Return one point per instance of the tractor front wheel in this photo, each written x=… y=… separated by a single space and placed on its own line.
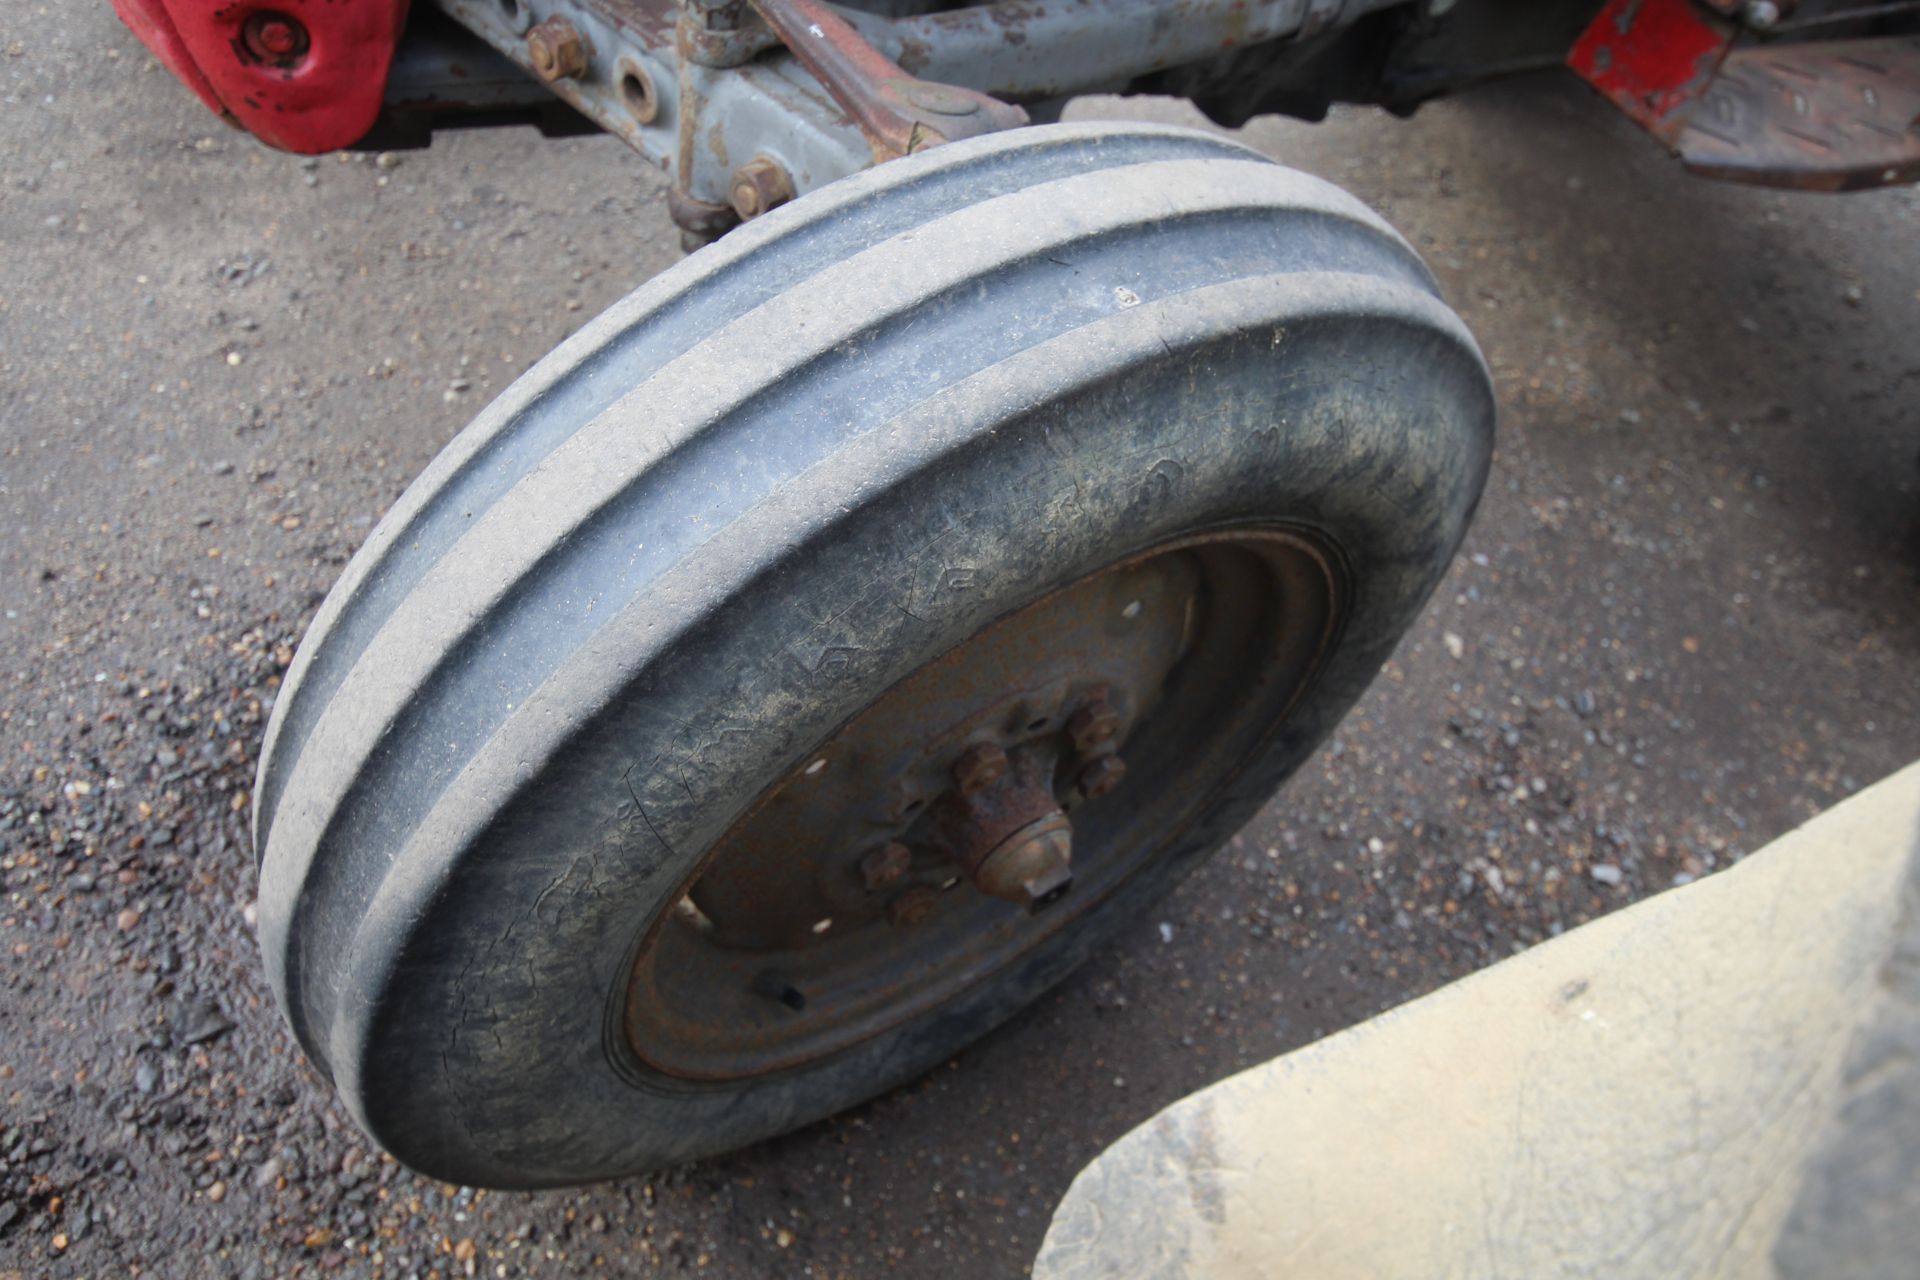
x=814 y=659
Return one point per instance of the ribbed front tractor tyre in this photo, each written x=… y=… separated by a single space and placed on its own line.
x=813 y=659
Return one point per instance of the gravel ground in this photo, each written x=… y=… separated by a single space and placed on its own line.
x=1686 y=620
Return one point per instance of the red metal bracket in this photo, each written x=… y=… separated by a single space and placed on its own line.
x=1653 y=59
x=301 y=75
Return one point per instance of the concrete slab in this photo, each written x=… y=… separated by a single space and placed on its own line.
x=1637 y=1098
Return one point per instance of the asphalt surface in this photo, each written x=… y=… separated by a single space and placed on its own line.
x=1685 y=621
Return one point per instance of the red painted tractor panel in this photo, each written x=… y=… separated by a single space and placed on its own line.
x=302 y=75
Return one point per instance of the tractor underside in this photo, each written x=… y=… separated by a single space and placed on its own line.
x=746 y=104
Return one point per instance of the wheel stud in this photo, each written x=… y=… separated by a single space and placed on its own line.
x=883 y=868
x=979 y=767
x=1093 y=724
x=911 y=905
x=1102 y=775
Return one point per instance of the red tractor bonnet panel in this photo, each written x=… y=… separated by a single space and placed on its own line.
x=301 y=75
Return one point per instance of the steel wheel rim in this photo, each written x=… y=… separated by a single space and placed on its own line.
x=780 y=949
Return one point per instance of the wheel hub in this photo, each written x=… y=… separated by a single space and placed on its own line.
x=878 y=878
x=1010 y=837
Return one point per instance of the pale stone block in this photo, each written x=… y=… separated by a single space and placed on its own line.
x=1635 y=1099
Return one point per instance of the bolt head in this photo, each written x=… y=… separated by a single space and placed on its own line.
x=1093 y=724
x=557 y=50
x=275 y=38
x=911 y=905
x=760 y=184
x=979 y=767
x=886 y=866
x=1101 y=776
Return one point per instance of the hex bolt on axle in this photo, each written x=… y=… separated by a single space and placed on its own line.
x=557 y=50
x=760 y=184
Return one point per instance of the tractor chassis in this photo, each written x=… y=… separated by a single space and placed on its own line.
x=746 y=105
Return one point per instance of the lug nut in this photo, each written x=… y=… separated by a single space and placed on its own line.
x=911 y=905
x=760 y=184
x=882 y=868
x=557 y=50
x=979 y=767
x=1093 y=724
x=1101 y=776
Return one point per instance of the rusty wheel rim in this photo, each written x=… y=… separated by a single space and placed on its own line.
x=918 y=850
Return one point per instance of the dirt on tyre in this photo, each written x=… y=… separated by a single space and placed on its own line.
x=811 y=661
